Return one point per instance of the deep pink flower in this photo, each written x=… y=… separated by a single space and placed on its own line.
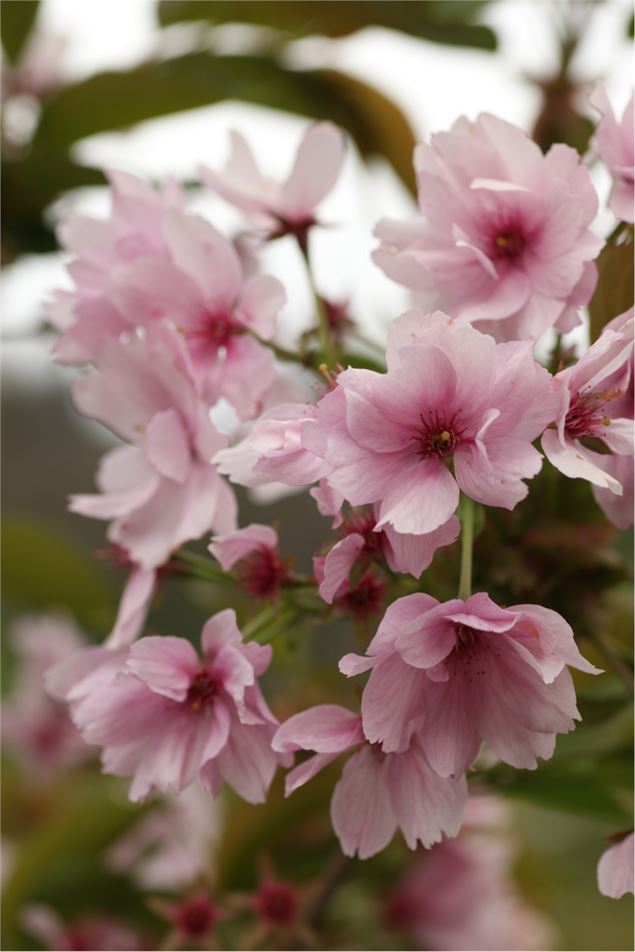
x=597 y=404
x=289 y=205
x=615 y=869
x=168 y=718
x=458 y=673
x=254 y=552
x=362 y=545
x=377 y=793
x=613 y=142
x=451 y=394
x=503 y=239
x=161 y=490
x=202 y=292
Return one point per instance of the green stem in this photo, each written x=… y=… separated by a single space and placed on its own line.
x=467 y=540
x=620 y=668
x=282 y=353
x=201 y=567
x=324 y=329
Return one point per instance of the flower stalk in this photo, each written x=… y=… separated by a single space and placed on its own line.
x=467 y=542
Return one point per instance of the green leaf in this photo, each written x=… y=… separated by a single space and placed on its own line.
x=43 y=571
x=16 y=23
x=116 y=100
x=614 y=291
x=440 y=22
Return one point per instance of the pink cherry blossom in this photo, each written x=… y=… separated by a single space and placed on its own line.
x=597 y=403
x=35 y=727
x=613 y=143
x=460 y=895
x=161 y=490
x=201 y=290
x=377 y=793
x=289 y=205
x=503 y=240
x=86 y=316
x=167 y=718
x=615 y=869
x=451 y=394
x=362 y=545
x=254 y=552
x=458 y=673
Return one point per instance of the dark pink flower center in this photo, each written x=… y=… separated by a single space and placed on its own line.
x=202 y=691
x=468 y=657
x=214 y=329
x=438 y=435
x=365 y=599
x=363 y=523
x=262 y=572
x=508 y=244
x=195 y=917
x=587 y=413
x=277 y=903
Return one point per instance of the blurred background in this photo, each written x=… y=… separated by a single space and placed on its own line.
x=154 y=89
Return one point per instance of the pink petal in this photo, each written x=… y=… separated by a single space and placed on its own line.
x=167 y=665
x=421 y=496
x=393 y=703
x=615 y=869
x=314 y=173
x=361 y=812
x=234 y=546
x=133 y=607
x=261 y=300
x=326 y=729
x=338 y=564
x=247 y=761
x=166 y=446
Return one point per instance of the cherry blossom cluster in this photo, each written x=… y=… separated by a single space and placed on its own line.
x=171 y=316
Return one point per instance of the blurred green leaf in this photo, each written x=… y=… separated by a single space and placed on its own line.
x=43 y=571
x=16 y=22
x=116 y=100
x=614 y=292
x=438 y=21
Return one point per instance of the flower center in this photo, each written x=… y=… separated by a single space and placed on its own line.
x=365 y=599
x=214 y=329
x=587 y=413
x=202 y=691
x=437 y=437
x=509 y=244
x=363 y=523
x=277 y=903
x=195 y=917
x=261 y=573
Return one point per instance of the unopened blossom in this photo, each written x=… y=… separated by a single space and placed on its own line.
x=101 y=248
x=377 y=793
x=201 y=290
x=95 y=932
x=36 y=728
x=253 y=552
x=169 y=718
x=503 y=239
x=161 y=490
x=460 y=895
x=457 y=673
x=287 y=206
x=361 y=598
x=615 y=868
x=451 y=395
x=362 y=545
x=596 y=404
x=613 y=142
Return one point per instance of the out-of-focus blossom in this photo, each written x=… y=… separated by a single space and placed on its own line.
x=503 y=240
x=457 y=673
x=40 y=68
x=169 y=718
x=35 y=727
x=161 y=490
x=171 y=847
x=597 y=404
x=377 y=793
x=450 y=394
x=194 y=918
x=201 y=291
x=615 y=869
x=461 y=895
x=254 y=552
x=286 y=206
x=614 y=143
x=95 y=932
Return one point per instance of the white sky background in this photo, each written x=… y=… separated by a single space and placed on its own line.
x=433 y=84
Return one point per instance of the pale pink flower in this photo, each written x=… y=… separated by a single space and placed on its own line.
x=254 y=552
x=167 y=718
x=503 y=240
x=97 y=932
x=362 y=545
x=35 y=727
x=284 y=206
x=451 y=394
x=201 y=290
x=162 y=490
x=461 y=895
x=458 y=673
x=596 y=403
x=86 y=316
x=377 y=793
x=615 y=869
x=613 y=143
